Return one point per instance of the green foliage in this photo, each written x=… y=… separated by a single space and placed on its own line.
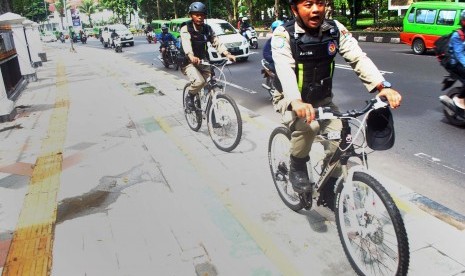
x=343 y=19
x=88 y=7
x=123 y=9
x=34 y=10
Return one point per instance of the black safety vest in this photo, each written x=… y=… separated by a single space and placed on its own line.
x=199 y=39
x=314 y=57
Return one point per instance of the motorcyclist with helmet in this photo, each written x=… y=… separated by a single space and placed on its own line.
x=267 y=54
x=457 y=63
x=149 y=29
x=195 y=35
x=164 y=37
x=304 y=51
x=114 y=35
x=245 y=24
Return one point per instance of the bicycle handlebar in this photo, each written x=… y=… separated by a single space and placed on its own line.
x=326 y=112
x=219 y=63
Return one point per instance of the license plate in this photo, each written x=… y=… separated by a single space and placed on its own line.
x=234 y=49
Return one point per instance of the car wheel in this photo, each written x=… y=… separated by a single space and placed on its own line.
x=418 y=46
x=131 y=43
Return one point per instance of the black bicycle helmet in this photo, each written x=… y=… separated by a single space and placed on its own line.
x=197 y=7
x=380 y=133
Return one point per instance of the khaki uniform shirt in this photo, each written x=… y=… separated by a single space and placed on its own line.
x=349 y=49
x=187 y=45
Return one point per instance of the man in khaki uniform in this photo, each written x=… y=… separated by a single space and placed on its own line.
x=194 y=37
x=303 y=52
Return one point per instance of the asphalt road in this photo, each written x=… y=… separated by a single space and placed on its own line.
x=429 y=156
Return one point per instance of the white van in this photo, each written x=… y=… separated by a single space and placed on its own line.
x=123 y=32
x=230 y=37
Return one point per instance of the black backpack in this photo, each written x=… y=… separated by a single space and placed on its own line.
x=441 y=47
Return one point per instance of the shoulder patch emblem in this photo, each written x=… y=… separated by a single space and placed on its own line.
x=346 y=33
x=332 y=48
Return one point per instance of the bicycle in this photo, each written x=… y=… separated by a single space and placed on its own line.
x=224 y=120
x=369 y=224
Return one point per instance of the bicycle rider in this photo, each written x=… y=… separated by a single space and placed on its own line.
x=194 y=37
x=304 y=50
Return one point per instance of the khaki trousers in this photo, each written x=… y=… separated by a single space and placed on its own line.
x=303 y=135
x=197 y=74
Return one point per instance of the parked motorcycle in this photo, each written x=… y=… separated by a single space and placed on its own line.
x=84 y=39
x=251 y=36
x=450 y=110
x=170 y=57
x=270 y=78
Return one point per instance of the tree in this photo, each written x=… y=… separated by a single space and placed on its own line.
x=123 y=9
x=58 y=6
x=34 y=10
x=5 y=6
x=88 y=7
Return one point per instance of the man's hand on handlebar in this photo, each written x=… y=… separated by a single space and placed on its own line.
x=393 y=97
x=195 y=60
x=231 y=57
x=303 y=110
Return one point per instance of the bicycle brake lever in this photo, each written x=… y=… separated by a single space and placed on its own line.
x=380 y=103
x=325 y=114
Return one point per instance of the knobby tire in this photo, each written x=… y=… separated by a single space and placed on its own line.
x=232 y=120
x=389 y=241
x=278 y=159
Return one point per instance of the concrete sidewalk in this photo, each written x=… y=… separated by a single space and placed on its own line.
x=100 y=176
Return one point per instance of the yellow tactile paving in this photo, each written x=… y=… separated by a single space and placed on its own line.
x=32 y=245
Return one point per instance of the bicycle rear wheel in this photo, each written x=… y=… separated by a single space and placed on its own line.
x=193 y=117
x=278 y=158
x=371 y=228
x=224 y=123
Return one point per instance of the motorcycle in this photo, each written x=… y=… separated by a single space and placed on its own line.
x=83 y=39
x=170 y=56
x=62 y=38
x=150 y=37
x=117 y=44
x=270 y=78
x=251 y=36
x=450 y=110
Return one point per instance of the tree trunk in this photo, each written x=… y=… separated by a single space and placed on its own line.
x=175 y=10
x=5 y=6
x=329 y=9
x=158 y=9
x=277 y=11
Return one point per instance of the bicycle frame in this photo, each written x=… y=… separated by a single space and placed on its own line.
x=345 y=149
x=209 y=98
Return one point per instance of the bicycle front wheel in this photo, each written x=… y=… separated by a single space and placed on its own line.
x=224 y=123
x=193 y=116
x=279 y=147
x=371 y=228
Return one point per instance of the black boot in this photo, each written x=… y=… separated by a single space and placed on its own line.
x=298 y=175
x=190 y=101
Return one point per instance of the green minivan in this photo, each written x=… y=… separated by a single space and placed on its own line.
x=157 y=24
x=426 y=21
x=175 y=25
